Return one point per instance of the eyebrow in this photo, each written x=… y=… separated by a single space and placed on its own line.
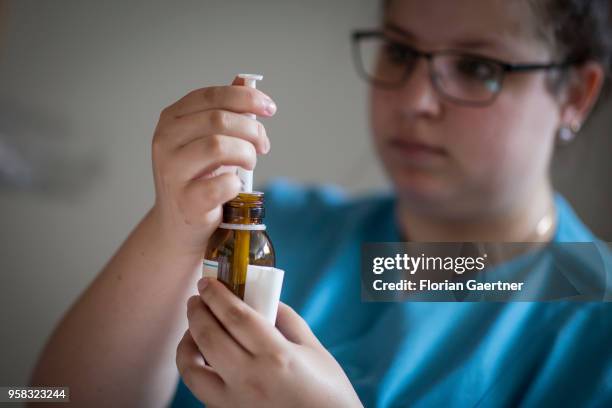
x=465 y=43
x=398 y=30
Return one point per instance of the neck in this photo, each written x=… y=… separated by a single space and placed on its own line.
x=530 y=218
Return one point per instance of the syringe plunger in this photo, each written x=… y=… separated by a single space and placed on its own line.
x=246 y=176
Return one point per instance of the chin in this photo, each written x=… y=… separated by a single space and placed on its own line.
x=422 y=189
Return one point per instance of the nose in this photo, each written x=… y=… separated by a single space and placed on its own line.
x=418 y=96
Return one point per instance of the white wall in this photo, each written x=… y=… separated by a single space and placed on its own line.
x=84 y=82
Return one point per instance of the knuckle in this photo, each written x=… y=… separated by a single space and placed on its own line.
x=291 y=312
x=179 y=354
x=194 y=92
x=237 y=314
x=214 y=145
x=214 y=195
x=279 y=360
x=157 y=145
x=256 y=386
x=213 y=216
x=164 y=113
x=162 y=137
x=224 y=188
x=219 y=119
x=209 y=94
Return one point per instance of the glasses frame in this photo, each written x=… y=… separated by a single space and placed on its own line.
x=505 y=67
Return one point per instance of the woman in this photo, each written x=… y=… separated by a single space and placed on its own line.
x=468 y=99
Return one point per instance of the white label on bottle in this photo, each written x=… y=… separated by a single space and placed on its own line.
x=262 y=288
x=210 y=268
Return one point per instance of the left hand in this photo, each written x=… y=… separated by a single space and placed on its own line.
x=232 y=357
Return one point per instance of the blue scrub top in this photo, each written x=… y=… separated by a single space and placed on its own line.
x=426 y=354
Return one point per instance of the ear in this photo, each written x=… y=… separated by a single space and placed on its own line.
x=583 y=89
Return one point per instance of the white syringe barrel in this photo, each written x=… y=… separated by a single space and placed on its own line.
x=246 y=176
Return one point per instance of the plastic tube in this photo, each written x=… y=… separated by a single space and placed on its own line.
x=246 y=176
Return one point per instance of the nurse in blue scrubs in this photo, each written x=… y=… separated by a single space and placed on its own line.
x=467 y=103
x=468 y=99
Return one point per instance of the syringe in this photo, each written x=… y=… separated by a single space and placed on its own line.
x=246 y=176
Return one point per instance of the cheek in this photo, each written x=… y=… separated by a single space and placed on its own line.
x=380 y=110
x=507 y=143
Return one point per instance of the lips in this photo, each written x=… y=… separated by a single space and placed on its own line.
x=416 y=148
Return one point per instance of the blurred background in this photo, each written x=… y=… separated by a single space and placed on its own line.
x=82 y=84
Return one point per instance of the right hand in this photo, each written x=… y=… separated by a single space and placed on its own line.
x=196 y=135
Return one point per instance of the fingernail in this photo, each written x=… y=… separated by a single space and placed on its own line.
x=269 y=107
x=202 y=283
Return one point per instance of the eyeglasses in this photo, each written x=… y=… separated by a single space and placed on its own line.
x=460 y=77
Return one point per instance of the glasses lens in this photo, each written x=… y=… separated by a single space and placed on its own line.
x=383 y=61
x=466 y=78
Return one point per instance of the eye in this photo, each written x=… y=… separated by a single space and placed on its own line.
x=475 y=69
x=397 y=53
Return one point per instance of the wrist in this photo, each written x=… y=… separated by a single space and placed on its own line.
x=170 y=241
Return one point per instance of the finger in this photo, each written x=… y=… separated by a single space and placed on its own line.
x=201 y=379
x=216 y=345
x=204 y=155
x=293 y=327
x=245 y=325
x=203 y=195
x=235 y=98
x=179 y=132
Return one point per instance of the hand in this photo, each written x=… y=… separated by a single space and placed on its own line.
x=232 y=357
x=194 y=137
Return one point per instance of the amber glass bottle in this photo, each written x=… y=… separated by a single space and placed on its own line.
x=240 y=240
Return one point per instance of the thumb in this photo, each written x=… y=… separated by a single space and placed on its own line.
x=293 y=327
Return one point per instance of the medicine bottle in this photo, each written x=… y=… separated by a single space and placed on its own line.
x=239 y=241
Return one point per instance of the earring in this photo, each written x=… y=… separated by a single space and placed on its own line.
x=566 y=133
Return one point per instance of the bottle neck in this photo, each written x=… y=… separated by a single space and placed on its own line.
x=246 y=208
